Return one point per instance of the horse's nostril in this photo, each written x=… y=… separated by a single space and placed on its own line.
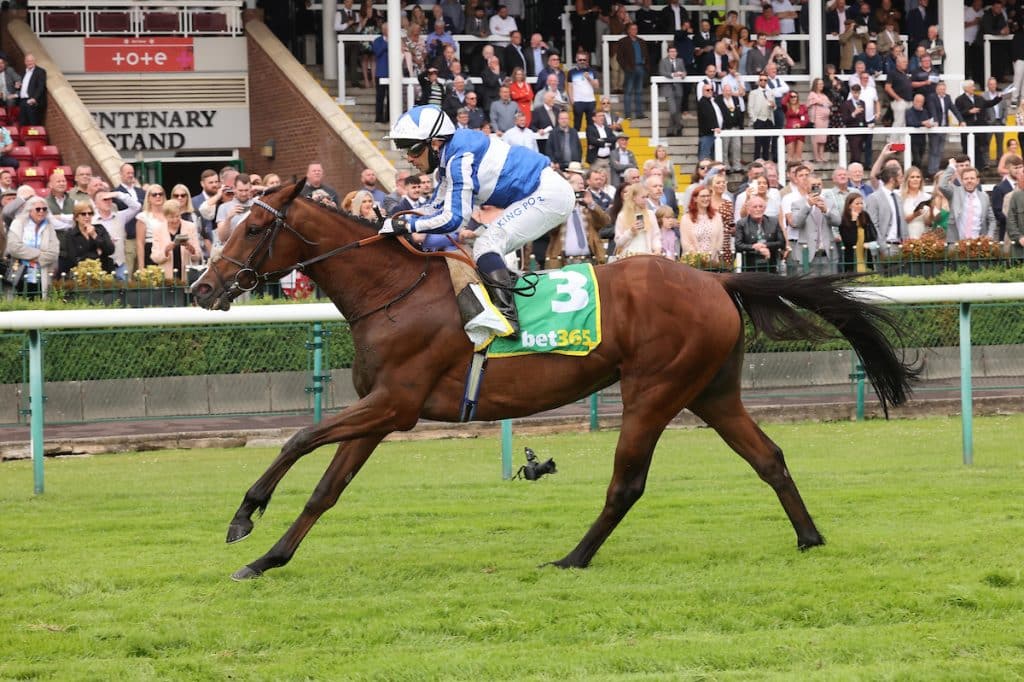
x=202 y=290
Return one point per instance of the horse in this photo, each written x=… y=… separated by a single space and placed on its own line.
x=673 y=337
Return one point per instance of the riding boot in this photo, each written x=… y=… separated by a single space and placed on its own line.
x=499 y=285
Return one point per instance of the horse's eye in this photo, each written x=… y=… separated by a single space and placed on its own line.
x=253 y=230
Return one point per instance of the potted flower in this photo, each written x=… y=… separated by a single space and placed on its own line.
x=149 y=287
x=975 y=253
x=925 y=255
x=88 y=282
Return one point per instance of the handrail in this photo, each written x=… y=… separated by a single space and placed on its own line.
x=136 y=10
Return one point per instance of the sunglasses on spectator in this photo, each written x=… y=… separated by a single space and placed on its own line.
x=41 y=209
x=86 y=213
x=704 y=166
x=156 y=194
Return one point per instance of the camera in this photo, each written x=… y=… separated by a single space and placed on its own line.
x=579 y=195
x=533 y=469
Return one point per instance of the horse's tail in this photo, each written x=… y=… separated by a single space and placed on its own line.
x=771 y=302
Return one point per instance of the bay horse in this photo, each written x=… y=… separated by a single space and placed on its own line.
x=673 y=337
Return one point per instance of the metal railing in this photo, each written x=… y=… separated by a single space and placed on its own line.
x=66 y=17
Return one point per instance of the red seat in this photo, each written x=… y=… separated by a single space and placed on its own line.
x=49 y=152
x=161 y=22
x=22 y=154
x=34 y=146
x=34 y=133
x=62 y=22
x=210 y=22
x=15 y=134
x=29 y=173
x=47 y=166
x=44 y=192
x=112 y=22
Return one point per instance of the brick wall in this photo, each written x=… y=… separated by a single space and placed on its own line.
x=278 y=111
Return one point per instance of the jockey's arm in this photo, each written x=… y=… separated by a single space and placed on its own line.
x=456 y=193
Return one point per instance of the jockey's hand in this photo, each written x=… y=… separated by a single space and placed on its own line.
x=395 y=226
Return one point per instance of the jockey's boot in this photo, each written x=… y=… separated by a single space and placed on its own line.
x=499 y=285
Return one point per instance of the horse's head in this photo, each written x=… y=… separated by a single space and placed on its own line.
x=262 y=248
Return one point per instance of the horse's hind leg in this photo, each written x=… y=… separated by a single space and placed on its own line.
x=724 y=412
x=349 y=458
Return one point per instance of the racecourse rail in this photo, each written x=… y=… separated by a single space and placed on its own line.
x=33 y=322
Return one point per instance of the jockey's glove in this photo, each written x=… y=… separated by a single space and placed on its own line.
x=395 y=226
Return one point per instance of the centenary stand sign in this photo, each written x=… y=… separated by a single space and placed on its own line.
x=175 y=129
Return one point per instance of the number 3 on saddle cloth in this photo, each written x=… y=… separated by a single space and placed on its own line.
x=561 y=315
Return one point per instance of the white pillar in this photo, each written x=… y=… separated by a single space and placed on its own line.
x=816 y=45
x=394 y=14
x=951 y=21
x=330 y=40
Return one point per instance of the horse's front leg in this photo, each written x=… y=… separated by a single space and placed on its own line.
x=349 y=458
x=374 y=415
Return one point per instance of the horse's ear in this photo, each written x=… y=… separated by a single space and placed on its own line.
x=297 y=190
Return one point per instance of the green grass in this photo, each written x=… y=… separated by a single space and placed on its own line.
x=427 y=569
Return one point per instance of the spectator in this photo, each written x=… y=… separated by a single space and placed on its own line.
x=918 y=116
x=10 y=83
x=754 y=170
x=761 y=109
x=1017 y=55
x=209 y=183
x=600 y=140
x=1012 y=148
x=561 y=98
x=889 y=42
x=855 y=175
x=852 y=111
x=819 y=111
x=314 y=181
x=7 y=180
x=767 y=24
x=379 y=46
x=150 y=219
x=431 y=89
x=812 y=224
x=796 y=118
x=414 y=50
x=581 y=85
x=455 y=96
x=972 y=109
x=514 y=53
x=613 y=120
x=668 y=226
x=33 y=241
x=475 y=115
x=543 y=119
x=940 y=106
x=759 y=239
x=915 y=202
x=445 y=64
x=621 y=158
x=709 y=122
x=779 y=89
x=995 y=114
x=392 y=200
x=657 y=193
x=563 y=145
x=900 y=90
x=521 y=93
x=934 y=46
x=6 y=145
x=80 y=192
x=663 y=161
x=502 y=26
x=994 y=23
x=925 y=77
x=597 y=185
x=873 y=62
x=885 y=208
x=673 y=17
x=61 y=206
x=175 y=243
x=88 y=241
x=636 y=228
x=672 y=67
x=1015 y=224
x=368 y=178
x=129 y=185
x=858 y=235
x=554 y=67
x=970 y=210
x=519 y=135
x=769 y=195
x=363 y=206
x=919 y=19
x=631 y=53
x=1015 y=170
x=233 y=212
x=115 y=223
x=759 y=56
x=503 y=111
x=577 y=239
x=721 y=202
x=32 y=94
x=413 y=198
x=492 y=78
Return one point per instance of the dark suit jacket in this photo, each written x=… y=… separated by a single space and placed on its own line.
x=539 y=119
x=832 y=19
x=746 y=237
x=963 y=104
x=707 y=120
x=934 y=108
x=850 y=119
x=595 y=141
x=999 y=193
x=489 y=87
x=667 y=20
x=733 y=121
x=555 y=147
x=684 y=46
x=756 y=61
x=511 y=58
x=624 y=53
x=37 y=86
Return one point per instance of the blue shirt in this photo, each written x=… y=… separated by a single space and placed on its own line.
x=477 y=169
x=380 y=55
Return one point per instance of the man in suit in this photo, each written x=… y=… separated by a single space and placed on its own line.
x=918 y=116
x=210 y=182
x=683 y=41
x=513 y=54
x=759 y=239
x=970 y=210
x=544 y=118
x=732 y=119
x=811 y=224
x=885 y=208
x=761 y=106
x=32 y=95
x=672 y=67
x=554 y=66
x=10 y=82
x=972 y=109
x=709 y=122
x=631 y=53
x=995 y=115
x=673 y=16
x=917 y=22
x=621 y=159
x=703 y=42
x=563 y=145
x=600 y=140
x=536 y=55
x=835 y=25
x=853 y=112
x=758 y=56
x=940 y=105
x=1015 y=170
x=1015 y=224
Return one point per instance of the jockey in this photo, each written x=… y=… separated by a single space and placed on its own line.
x=511 y=190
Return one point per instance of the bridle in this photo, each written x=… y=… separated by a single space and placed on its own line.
x=248 y=277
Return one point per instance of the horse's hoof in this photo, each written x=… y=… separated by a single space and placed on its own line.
x=561 y=563
x=245 y=573
x=805 y=545
x=239 y=530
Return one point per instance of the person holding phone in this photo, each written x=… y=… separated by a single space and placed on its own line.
x=176 y=243
x=636 y=228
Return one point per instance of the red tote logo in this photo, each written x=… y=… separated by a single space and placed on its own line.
x=133 y=55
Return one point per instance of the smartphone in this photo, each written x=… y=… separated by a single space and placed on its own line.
x=815 y=190
x=180 y=238
x=899 y=146
x=640 y=218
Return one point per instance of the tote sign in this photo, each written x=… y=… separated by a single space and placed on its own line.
x=138 y=55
